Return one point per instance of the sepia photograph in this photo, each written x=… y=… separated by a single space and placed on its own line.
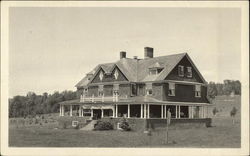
x=125 y=76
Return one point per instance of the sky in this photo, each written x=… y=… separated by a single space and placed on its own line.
x=51 y=49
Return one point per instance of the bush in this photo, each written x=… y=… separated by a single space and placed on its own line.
x=103 y=125
x=233 y=112
x=125 y=125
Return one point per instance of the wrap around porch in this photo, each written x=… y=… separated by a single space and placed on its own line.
x=145 y=110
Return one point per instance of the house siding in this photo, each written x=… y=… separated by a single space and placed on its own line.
x=185 y=93
x=173 y=75
x=157 y=91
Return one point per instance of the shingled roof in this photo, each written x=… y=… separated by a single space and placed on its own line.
x=136 y=70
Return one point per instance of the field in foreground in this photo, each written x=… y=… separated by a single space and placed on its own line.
x=223 y=134
x=217 y=136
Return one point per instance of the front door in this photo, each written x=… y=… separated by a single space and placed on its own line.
x=97 y=113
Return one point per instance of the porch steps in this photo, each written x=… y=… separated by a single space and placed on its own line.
x=89 y=126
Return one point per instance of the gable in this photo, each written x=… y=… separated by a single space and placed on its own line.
x=109 y=77
x=186 y=62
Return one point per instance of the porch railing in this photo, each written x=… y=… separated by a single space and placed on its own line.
x=102 y=98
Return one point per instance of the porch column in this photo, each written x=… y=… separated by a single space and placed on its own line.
x=60 y=110
x=179 y=111
x=70 y=110
x=92 y=113
x=148 y=111
x=141 y=111
x=176 y=107
x=113 y=114
x=79 y=112
x=202 y=111
x=102 y=113
x=128 y=110
x=116 y=111
x=192 y=112
x=82 y=113
x=145 y=112
x=165 y=114
x=162 y=111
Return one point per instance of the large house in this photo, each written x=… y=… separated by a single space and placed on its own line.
x=142 y=88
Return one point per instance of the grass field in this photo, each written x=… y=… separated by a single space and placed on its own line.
x=222 y=134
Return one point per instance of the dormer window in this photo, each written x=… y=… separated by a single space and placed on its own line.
x=116 y=74
x=101 y=75
x=197 y=90
x=149 y=90
x=85 y=91
x=171 y=89
x=153 y=72
x=116 y=90
x=181 y=71
x=189 y=72
x=100 y=90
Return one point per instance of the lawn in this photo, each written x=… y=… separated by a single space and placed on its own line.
x=222 y=134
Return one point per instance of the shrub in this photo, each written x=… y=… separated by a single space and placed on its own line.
x=125 y=125
x=233 y=112
x=103 y=125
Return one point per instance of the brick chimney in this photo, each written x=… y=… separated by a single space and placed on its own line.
x=148 y=52
x=122 y=54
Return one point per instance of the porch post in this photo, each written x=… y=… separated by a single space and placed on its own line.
x=60 y=110
x=165 y=108
x=92 y=113
x=162 y=111
x=192 y=112
x=116 y=111
x=113 y=114
x=70 y=110
x=82 y=113
x=128 y=110
x=144 y=115
x=141 y=111
x=102 y=113
x=148 y=111
x=176 y=111
x=79 y=112
x=179 y=111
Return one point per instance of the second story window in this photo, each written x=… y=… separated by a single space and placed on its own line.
x=149 y=90
x=171 y=89
x=100 y=90
x=189 y=72
x=85 y=91
x=181 y=71
x=197 y=90
x=116 y=90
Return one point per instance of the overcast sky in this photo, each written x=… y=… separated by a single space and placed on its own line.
x=51 y=49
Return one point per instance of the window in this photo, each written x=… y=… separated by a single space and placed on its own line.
x=116 y=74
x=171 y=90
x=101 y=75
x=181 y=70
x=153 y=72
x=189 y=72
x=116 y=90
x=85 y=91
x=74 y=123
x=197 y=90
x=149 y=89
x=100 y=90
x=133 y=89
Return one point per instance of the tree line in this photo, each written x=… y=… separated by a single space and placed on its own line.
x=32 y=104
x=228 y=87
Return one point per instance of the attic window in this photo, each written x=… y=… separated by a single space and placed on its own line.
x=101 y=75
x=171 y=89
x=181 y=70
x=197 y=90
x=189 y=72
x=116 y=74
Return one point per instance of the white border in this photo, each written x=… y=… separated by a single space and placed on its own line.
x=244 y=150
